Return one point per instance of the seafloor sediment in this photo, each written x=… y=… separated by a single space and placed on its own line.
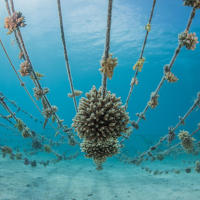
x=79 y=180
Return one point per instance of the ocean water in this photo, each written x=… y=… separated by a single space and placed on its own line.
x=64 y=173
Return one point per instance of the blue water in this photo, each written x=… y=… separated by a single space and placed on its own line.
x=85 y=27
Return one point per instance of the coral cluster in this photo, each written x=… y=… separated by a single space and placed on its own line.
x=154 y=100
x=49 y=111
x=192 y=3
x=23 y=128
x=98 y=118
x=197 y=166
x=39 y=93
x=76 y=93
x=186 y=141
x=15 y=21
x=99 y=122
x=25 y=68
x=108 y=65
x=189 y=40
x=100 y=151
x=139 y=64
x=169 y=76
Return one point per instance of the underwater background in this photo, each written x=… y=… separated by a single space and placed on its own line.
x=85 y=29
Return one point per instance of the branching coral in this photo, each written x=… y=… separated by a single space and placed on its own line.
x=25 y=68
x=98 y=118
x=48 y=112
x=197 y=166
x=39 y=93
x=100 y=151
x=108 y=65
x=186 y=141
x=15 y=21
x=154 y=100
x=76 y=93
x=189 y=40
x=139 y=64
x=192 y=3
x=169 y=76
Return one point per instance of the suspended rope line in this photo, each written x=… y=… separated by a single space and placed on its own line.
x=155 y=94
x=66 y=55
x=15 y=33
x=37 y=84
x=20 y=80
x=7 y=119
x=107 y=45
x=171 y=134
x=168 y=151
x=134 y=80
x=20 y=109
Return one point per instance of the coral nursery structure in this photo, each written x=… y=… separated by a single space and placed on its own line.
x=101 y=123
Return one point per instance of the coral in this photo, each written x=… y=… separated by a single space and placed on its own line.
x=197 y=166
x=21 y=55
x=189 y=40
x=108 y=65
x=169 y=76
x=99 y=151
x=47 y=149
x=192 y=3
x=134 y=81
x=186 y=141
x=39 y=93
x=38 y=75
x=6 y=150
x=148 y=27
x=76 y=93
x=20 y=125
x=48 y=112
x=25 y=68
x=154 y=100
x=26 y=132
x=139 y=64
x=15 y=21
x=98 y=118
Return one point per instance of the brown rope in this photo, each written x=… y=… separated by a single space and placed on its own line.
x=107 y=45
x=18 y=77
x=177 y=51
x=65 y=54
x=141 y=55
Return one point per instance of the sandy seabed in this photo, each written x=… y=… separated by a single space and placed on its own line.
x=79 y=180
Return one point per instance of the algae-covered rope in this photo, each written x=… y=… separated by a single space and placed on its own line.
x=107 y=45
x=177 y=51
x=180 y=122
x=15 y=33
x=35 y=79
x=65 y=54
x=18 y=77
x=141 y=54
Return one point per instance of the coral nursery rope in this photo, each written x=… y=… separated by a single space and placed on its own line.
x=33 y=72
x=20 y=80
x=65 y=54
x=141 y=55
x=177 y=51
x=107 y=45
x=180 y=122
x=15 y=33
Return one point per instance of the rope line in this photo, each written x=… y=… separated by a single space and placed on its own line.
x=65 y=54
x=141 y=56
x=107 y=45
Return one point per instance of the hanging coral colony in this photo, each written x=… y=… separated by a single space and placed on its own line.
x=101 y=121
